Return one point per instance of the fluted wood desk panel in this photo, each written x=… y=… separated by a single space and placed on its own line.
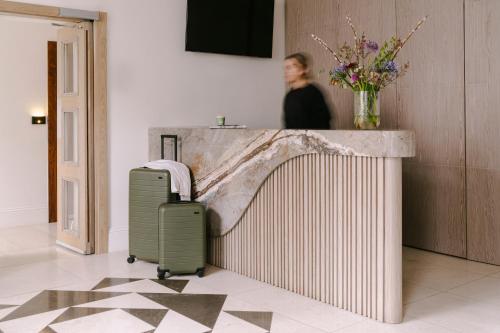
x=327 y=227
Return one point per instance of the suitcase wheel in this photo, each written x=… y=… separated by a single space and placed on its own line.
x=200 y=272
x=161 y=273
x=131 y=259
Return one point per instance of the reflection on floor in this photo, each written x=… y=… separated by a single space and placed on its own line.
x=44 y=288
x=26 y=241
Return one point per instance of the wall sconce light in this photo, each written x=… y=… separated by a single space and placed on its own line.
x=39 y=120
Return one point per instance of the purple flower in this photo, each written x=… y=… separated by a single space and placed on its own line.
x=390 y=67
x=371 y=46
x=340 y=72
x=341 y=69
x=354 y=78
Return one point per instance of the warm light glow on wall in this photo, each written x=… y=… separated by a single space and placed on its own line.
x=37 y=111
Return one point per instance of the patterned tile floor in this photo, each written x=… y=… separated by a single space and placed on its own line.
x=44 y=288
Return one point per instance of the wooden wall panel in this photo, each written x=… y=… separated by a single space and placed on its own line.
x=429 y=194
x=430 y=100
x=326 y=18
x=482 y=73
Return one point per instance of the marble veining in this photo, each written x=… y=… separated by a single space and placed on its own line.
x=229 y=166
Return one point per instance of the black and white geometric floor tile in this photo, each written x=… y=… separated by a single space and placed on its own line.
x=126 y=305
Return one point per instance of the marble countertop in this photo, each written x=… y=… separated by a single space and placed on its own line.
x=374 y=143
x=229 y=165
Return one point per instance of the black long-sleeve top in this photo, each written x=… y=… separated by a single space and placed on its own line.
x=305 y=108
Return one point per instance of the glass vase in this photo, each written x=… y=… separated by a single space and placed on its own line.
x=366 y=110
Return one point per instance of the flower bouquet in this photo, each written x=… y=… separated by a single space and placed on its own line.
x=366 y=72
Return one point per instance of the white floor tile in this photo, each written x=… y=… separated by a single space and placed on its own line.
x=457 y=313
x=6 y=311
x=195 y=288
x=6 y=247
x=441 y=278
x=104 y=322
x=409 y=326
x=228 y=282
x=486 y=290
x=303 y=309
x=426 y=259
x=229 y=324
x=234 y=304
x=112 y=264
x=174 y=322
x=19 y=298
x=23 y=279
x=30 y=324
x=50 y=228
x=37 y=255
x=414 y=292
x=29 y=236
x=278 y=300
x=283 y=324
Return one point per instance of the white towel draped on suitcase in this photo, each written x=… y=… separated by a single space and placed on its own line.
x=180 y=179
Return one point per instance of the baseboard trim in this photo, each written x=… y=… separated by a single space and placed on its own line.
x=19 y=216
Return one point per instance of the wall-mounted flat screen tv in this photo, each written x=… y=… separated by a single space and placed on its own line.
x=239 y=27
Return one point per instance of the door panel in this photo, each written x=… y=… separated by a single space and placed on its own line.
x=431 y=102
x=70 y=136
x=70 y=218
x=482 y=72
x=72 y=231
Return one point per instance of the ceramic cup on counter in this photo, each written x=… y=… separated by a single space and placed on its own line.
x=221 y=120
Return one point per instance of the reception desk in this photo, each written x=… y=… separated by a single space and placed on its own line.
x=314 y=212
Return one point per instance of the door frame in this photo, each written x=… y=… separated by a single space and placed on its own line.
x=97 y=111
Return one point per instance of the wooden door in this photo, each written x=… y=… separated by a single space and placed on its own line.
x=482 y=73
x=73 y=217
x=431 y=102
x=52 y=127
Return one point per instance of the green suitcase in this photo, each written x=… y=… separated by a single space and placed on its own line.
x=182 y=239
x=148 y=189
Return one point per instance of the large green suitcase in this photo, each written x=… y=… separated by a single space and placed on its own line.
x=148 y=189
x=182 y=239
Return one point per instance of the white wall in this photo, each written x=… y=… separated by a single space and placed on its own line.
x=23 y=146
x=154 y=82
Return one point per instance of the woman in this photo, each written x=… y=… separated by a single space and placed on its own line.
x=304 y=105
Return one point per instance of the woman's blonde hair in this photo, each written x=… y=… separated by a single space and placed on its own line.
x=304 y=60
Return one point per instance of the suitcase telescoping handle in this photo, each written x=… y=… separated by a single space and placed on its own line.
x=168 y=136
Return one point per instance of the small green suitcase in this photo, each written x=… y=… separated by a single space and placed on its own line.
x=182 y=239
x=148 y=189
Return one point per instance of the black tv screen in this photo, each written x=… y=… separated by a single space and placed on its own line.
x=239 y=27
